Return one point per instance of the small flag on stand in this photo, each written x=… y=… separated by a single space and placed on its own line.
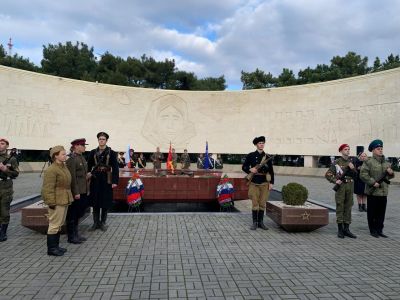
x=127 y=157
x=206 y=160
x=170 y=165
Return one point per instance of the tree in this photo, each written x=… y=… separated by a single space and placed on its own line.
x=16 y=61
x=211 y=84
x=349 y=65
x=183 y=81
x=257 y=80
x=286 y=78
x=377 y=65
x=71 y=61
x=391 y=62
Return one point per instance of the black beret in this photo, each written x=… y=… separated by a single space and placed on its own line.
x=375 y=144
x=102 y=133
x=259 y=139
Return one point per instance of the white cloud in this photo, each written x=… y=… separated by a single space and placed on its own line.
x=209 y=37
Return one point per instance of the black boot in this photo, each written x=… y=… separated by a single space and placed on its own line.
x=340 y=233
x=346 y=232
x=72 y=238
x=3 y=232
x=103 y=226
x=255 y=224
x=63 y=250
x=52 y=245
x=261 y=220
x=364 y=207
x=360 y=207
x=96 y=220
x=78 y=236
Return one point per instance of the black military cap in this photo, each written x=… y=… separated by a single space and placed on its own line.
x=259 y=139
x=102 y=133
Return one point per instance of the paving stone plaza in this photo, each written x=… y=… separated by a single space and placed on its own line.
x=205 y=256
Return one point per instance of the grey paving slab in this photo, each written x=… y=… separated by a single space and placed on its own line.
x=207 y=256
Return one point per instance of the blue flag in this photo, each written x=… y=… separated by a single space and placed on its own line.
x=206 y=160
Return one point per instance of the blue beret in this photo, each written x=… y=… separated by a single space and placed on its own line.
x=375 y=144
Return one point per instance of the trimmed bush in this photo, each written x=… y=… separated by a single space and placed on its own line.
x=294 y=194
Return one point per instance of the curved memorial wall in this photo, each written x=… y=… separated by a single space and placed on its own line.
x=39 y=111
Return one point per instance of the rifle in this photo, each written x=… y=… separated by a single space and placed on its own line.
x=381 y=179
x=263 y=162
x=336 y=187
x=5 y=162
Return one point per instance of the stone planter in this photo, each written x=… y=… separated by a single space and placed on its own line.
x=307 y=217
x=35 y=216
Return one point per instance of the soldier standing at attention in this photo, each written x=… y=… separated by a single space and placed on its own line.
x=341 y=173
x=261 y=183
x=56 y=193
x=185 y=160
x=174 y=159
x=157 y=158
x=104 y=175
x=371 y=171
x=78 y=168
x=8 y=171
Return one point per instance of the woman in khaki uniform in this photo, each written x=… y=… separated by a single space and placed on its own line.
x=56 y=193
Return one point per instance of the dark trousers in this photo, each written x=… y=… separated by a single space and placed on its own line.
x=77 y=209
x=376 y=213
x=99 y=218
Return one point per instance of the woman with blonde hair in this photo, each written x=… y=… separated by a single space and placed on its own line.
x=56 y=193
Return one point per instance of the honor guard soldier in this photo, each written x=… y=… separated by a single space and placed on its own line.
x=8 y=171
x=78 y=168
x=157 y=157
x=376 y=172
x=185 y=160
x=341 y=173
x=261 y=182
x=104 y=175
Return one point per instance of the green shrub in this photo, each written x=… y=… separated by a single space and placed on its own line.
x=294 y=194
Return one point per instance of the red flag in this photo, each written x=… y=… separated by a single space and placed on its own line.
x=169 y=159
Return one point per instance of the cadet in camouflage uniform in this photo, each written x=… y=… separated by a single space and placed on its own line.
x=78 y=168
x=185 y=160
x=344 y=194
x=8 y=172
x=371 y=170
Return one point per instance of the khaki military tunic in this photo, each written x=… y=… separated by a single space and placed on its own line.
x=6 y=186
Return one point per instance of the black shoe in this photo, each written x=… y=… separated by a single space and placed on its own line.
x=340 y=233
x=346 y=232
x=74 y=240
x=63 y=250
x=364 y=207
x=360 y=208
x=52 y=246
x=254 y=226
x=381 y=234
x=375 y=235
x=103 y=227
x=3 y=232
x=261 y=220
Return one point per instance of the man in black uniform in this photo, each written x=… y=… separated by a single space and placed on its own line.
x=104 y=174
x=261 y=183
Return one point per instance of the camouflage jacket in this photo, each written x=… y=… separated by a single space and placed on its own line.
x=331 y=175
x=12 y=165
x=371 y=170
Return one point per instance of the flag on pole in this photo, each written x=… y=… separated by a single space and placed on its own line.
x=127 y=157
x=170 y=166
x=206 y=160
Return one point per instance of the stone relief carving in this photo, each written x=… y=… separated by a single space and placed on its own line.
x=26 y=120
x=167 y=120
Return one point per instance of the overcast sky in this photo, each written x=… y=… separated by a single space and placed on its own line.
x=209 y=37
